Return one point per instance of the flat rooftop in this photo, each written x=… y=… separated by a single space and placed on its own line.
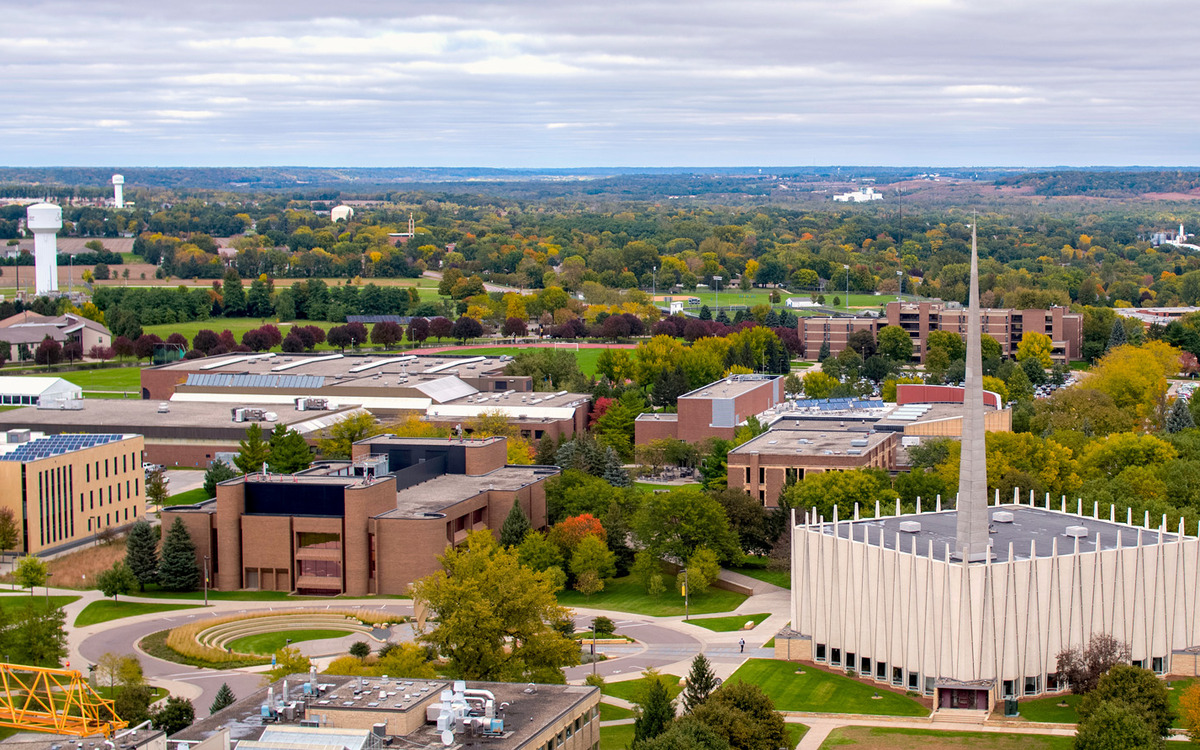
x=782 y=441
x=732 y=386
x=529 y=709
x=351 y=366
x=383 y=440
x=1033 y=531
x=440 y=493
x=143 y=417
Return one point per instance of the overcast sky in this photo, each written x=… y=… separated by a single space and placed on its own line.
x=600 y=83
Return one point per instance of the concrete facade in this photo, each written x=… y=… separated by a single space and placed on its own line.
x=355 y=528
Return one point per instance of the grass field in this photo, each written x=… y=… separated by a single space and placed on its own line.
x=587 y=358
x=153 y=592
x=269 y=643
x=190 y=497
x=754 y=297
x=78 y=569
x=619 y=737
x=111 y=381
x=17 y=600
x=110 y=692
x=795 y=733
x=651 y=487
x=756 y=567
x=887 y=738
x=727 y=624
x=632 y=690
x=103 y=611
x=627 y=595
x=1047 y=709
x=609 y=712
x=817 y=690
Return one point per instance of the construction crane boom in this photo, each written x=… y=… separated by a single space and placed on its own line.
x=59 y=701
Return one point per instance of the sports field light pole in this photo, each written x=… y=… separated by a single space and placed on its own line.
x=717 y=281
x=847 y=287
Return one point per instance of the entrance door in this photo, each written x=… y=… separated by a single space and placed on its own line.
x=969 y=699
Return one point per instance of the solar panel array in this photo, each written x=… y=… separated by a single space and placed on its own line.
x=244 y=380
x=57 y=445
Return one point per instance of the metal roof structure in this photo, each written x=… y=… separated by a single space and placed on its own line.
x=446 y=389
x=240 y=380
x=16 y=385
x=57 y=445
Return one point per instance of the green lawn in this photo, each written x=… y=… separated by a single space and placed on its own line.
x=105 y=610
x=795 y=733
x=727 y=624
x=1047 y=709
x=887 y=738
x=153 y=592
x=651 y=487
x=631 y=690
x=609 y=712
x=627 y=595
x=619 y=737
x=269 y=643
x=190 y=497
x=587 y=358
x=110 y=381
x=109 y=692
x=237 y=326
x=10 y=603
x=817 y=690
x=756 y=567
x=752 y=297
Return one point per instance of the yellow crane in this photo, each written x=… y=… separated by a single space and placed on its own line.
x=59 y=701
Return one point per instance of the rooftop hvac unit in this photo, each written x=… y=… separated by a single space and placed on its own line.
x=910 y=527
x=18 y=436
x=1002 y=516
x=853 y=452
x=164 y=407
x=1078 y=532
x=859 y=442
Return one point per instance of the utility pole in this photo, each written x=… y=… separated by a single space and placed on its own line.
x=685 y=594
x=593 y=645
x=717 y=283
x=206 y=580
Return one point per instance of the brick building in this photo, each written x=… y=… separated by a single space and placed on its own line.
x=716 y=410
x=63 y=489
x=372 y=525
x=765 y=464
x=1007 y=326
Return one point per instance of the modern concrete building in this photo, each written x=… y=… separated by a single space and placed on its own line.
x=372 y=525
x=183 y=434
x=716 y=410
x=446 y=391
x=764 y=465
x=974 y=604
x=63 y=489
x=333 y=711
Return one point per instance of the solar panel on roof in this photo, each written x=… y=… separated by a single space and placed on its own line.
x=57 y=445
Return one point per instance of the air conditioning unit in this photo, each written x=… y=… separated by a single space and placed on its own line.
x=1077 y=532
x=910 y=527
x=1002 y=516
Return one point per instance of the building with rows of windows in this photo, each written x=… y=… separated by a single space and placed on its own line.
x=64 y=489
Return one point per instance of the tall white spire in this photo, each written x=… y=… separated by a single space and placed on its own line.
x=972 y=538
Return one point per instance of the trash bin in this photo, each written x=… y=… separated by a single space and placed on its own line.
x=1010 y=707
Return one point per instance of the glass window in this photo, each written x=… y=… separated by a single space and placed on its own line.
x=1139 y=663
x=1007 y=689
x=897 y=676
x=929 y=686
x=864 y=665
x=881 y=670
x=1157 y=665
x=820 y=652
x=1051 y=682
x=1031 y=686
x=314 y=540
x=319 y=568
x=835 y=656
x=850 y=662
x=913 y=680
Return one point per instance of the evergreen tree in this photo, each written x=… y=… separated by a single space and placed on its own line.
x=824 y=353
x=1180 y=417
x=217 y=472
x=1117 y=337
x=547 y=450
x=700 y=683
x=225 y=697
x=515 y=527
x=232 y=294
x=289 y=452
x=141 y=554
x=177 y=571
x=739 y=316
x=722 y=318
x=253 y=451
x=669 y=387
x=614 y=472
x=655 y=710
x=705 y=313
x=176 y=715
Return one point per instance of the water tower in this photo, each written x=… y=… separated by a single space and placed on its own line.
x=44 y=220
x=118 y=181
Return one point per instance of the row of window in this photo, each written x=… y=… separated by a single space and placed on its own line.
x=912 y=680
x=18 y=400
x=127 y=460
x=572 y=728
x=110 y=519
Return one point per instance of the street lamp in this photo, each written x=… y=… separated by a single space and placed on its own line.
x=717 y=283
x=847 y=286
x=654 y=289
x=206 y=580
x=593 y=645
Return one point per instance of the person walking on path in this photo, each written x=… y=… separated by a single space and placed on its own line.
x=742 y=645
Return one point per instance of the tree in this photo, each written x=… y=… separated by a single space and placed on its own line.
x=338 y=336
x=1117 y=337
x=1083 y=667
x=592 y=559
x=496 y=619
x=744 y=715
x=386 y=334
x=440 y=328
x=516 y=526
x=224 y=698
x=288 y=661
x=118 y=579
x=466 y=328
x=289 y=451
x=418 y=330
x=132 y=704
x=1189 y=710
x=700 y=683
x=31 y=572
x=515 y=327
x=48 y=353
x=345 y=433
x=177 y=570
x=176 y=715
x=654 y=708
x=156 y=487
x=1036 y=346
x=1115 y=726
x=686 y=733
x=818 y=384
x=1138 y=688
x=253 y=451
x=674 y=524
x=217 y=472
x=841 y=488
x=141 y=554
x=747 y=518
x=360 y=649
x=9 y=531
x=39 y=635
x=1180 y=417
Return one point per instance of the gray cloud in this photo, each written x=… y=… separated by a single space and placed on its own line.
x=619 y=83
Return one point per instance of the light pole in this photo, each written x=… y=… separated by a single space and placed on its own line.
x=654 y=288
x=685 y=594
x=717 y=283
x=847 y=286
x=593 y=645
x=206 y=580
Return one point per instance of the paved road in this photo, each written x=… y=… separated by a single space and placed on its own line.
x=182 y=481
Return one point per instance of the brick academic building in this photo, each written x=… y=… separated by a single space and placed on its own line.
x=372 y=525
x=715 y=410
x=1006 y=326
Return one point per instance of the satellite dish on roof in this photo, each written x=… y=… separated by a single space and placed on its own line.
x=447 y=738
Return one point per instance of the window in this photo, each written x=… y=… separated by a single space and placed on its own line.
x=1139 y=663
x=835 y=656
x=762 y=475
x=820 y=652
x=87 y=472
x=897 y=676
x=929 y=684
x=1007 y=689
x=914 y=680
x=1051 y=682
x=881 y=670
x=747 y=475
x=1156 y=665
x=850 y=662
x=316 y=540
x=1031 y=685
x=570 y=730
x=864 y=665
x=319 y=568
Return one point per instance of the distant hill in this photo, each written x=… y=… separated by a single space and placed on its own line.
x=1105 y=183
